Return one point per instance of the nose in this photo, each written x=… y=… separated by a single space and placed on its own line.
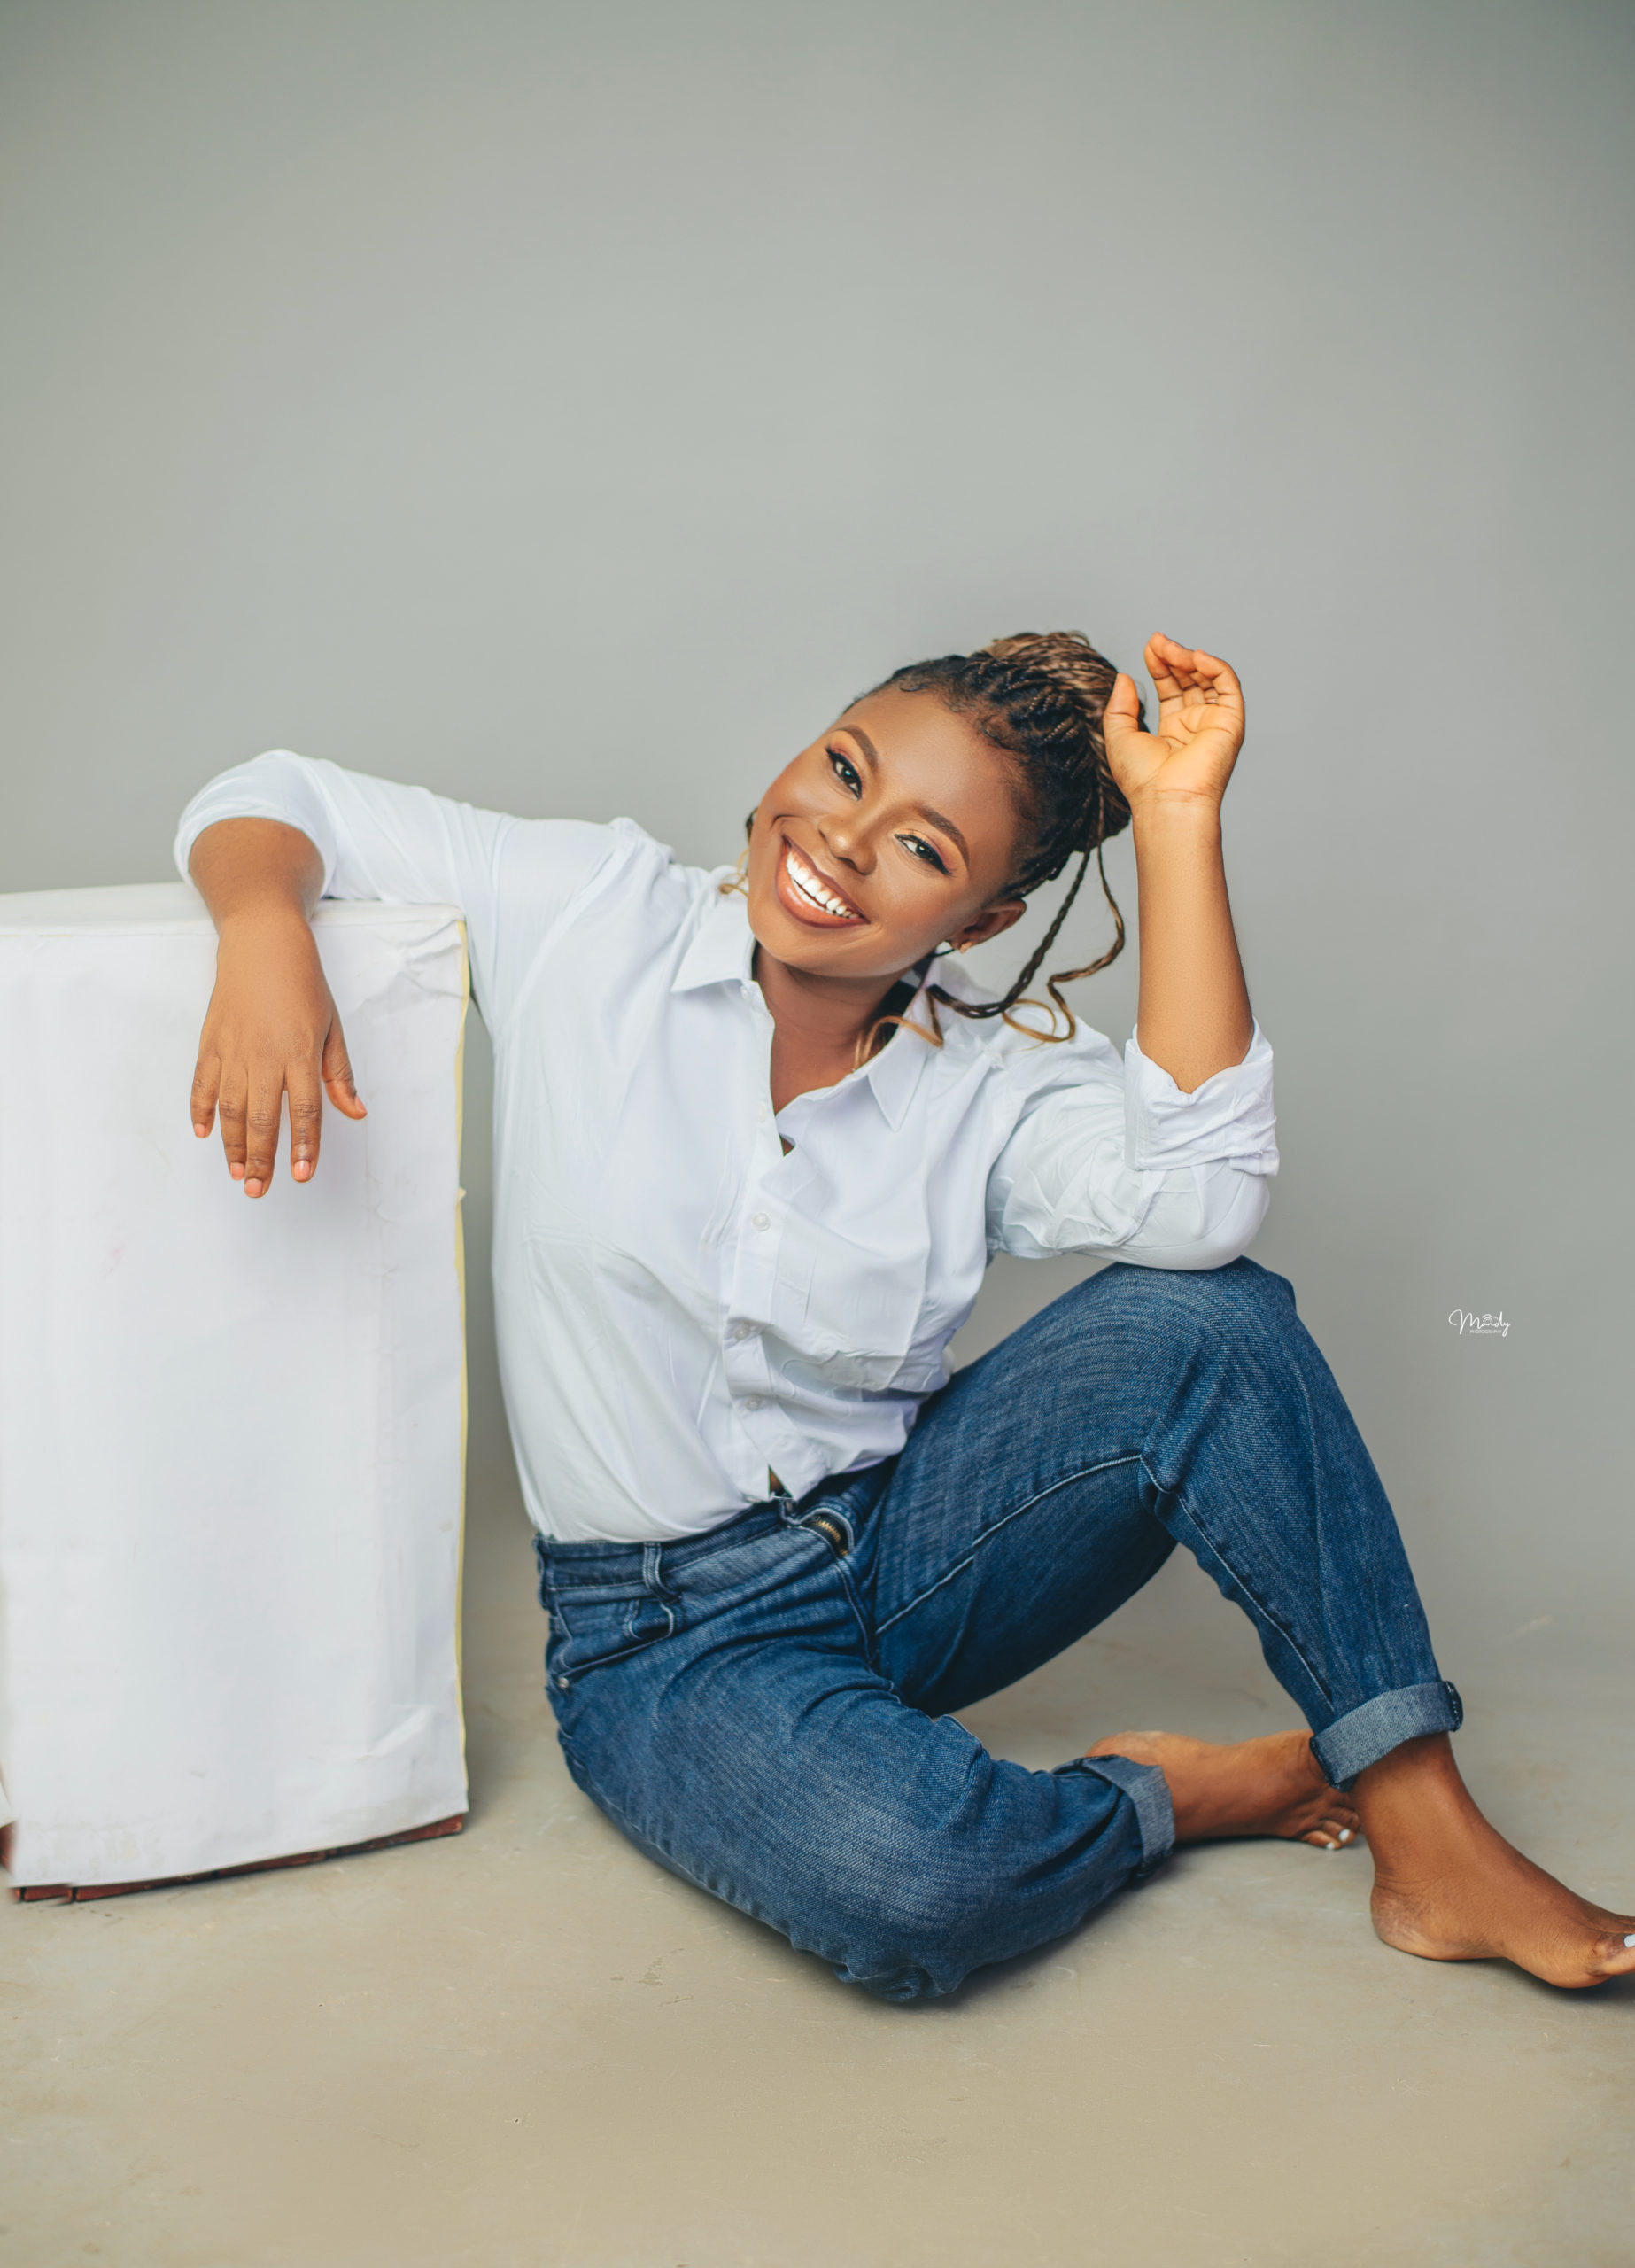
x=846 y=838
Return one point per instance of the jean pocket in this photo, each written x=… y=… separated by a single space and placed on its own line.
x=587 y=1634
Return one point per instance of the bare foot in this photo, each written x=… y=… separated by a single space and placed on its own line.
x=1448 y=1887
x=1273 y=1786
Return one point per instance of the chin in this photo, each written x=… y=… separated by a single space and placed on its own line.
x=790 y=941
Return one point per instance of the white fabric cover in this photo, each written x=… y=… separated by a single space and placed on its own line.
x=232 y=1432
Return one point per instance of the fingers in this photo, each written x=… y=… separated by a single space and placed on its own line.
x=1169 y=667
x=302 y=1084
x=249 y=1108
x=231 y=1113
x=336 y=1071
x=1217 y=681
x=1187 y=673
x=261 y=1118
x=305 y=1120
x=247 y=1102
x=206 y=1085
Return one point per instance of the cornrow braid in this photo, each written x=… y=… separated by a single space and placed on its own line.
x=1040 y=697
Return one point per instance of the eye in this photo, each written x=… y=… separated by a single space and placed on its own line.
x=916 y=846
x=845 y=771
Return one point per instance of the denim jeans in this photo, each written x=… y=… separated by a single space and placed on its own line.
x=767 y=1709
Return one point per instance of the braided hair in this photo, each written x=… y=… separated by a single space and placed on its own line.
x=1039 y=697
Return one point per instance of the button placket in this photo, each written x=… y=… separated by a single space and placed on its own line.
x=744 y=1363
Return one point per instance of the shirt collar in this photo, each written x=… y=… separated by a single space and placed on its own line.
x=723 y=946
x=721 y=951
x=896 y=1071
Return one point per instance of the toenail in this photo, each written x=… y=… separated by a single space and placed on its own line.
x=1630 y=1941
x=1346 y=1835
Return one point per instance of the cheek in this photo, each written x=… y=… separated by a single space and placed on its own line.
x=919 y=911
x=794 y=793
x=763 y=831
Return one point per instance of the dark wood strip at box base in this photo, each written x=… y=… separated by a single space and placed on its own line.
x=76 y=1893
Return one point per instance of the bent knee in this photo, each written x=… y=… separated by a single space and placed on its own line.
x=921 y=1934
x=907 y=1951
x=1242 y=1297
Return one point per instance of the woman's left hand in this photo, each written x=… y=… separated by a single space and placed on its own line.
x=1200 y=728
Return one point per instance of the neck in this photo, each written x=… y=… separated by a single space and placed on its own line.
x=822 y=1017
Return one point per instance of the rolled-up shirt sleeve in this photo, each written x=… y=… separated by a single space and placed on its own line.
x=1114 y=1160
x=512 y=878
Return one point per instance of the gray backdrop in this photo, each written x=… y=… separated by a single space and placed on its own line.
x=571 y=407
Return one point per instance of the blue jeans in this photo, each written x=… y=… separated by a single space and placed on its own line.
x=766 y=1709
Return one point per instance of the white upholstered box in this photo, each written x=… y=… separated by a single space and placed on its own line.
x=232 y=1432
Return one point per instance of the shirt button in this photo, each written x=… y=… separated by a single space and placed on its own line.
x=759 y=1220
x=740 y=1331
x=752 y=1402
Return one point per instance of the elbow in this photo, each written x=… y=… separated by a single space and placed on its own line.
x=1228 y=1235
x=1221 y=1225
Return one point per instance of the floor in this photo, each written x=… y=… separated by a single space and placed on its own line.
x=528 y=2046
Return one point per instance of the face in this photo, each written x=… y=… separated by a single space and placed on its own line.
x=893 y=832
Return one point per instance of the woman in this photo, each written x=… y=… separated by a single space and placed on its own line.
x=755 y=1141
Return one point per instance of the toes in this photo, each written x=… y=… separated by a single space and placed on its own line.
x=1337 y=1803
x=1333 y=1834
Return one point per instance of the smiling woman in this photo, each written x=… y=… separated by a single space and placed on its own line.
x=742 y=1208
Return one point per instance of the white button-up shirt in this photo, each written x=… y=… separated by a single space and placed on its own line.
x=682 y=1305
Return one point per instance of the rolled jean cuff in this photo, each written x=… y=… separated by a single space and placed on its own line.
x=1360 y=1737
x=1149 y=1793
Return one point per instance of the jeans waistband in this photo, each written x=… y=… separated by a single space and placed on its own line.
x=570 y=1566
x=851 y=1495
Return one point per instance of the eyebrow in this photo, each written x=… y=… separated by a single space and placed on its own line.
x=925 y=811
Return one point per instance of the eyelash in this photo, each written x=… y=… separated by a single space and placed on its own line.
x=846 y=771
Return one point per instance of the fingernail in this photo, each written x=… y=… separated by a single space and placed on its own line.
x=253 y=1189
x=200 y=1130
x=303 y=1169
x=238 y=1172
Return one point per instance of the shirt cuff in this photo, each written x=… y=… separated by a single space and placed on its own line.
x=269 y=787
x=1228 y=1121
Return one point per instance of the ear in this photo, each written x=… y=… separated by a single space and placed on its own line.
x=992 y=921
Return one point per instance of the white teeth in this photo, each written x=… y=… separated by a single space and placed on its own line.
x=811 y=886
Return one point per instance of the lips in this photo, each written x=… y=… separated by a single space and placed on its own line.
x=810 y=895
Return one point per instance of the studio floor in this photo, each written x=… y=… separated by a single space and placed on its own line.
x=526 y=2045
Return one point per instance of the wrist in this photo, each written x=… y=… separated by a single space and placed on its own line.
x=263 y=913
x=1194 y=814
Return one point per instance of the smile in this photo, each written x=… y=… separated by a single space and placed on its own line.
x=810 y=895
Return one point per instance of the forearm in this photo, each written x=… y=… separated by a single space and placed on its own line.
x=256 y=870
x=1193 y=1017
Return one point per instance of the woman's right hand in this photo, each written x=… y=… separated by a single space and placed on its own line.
x=271 y=1030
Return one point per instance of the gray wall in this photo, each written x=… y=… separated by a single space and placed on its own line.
x=571 y=407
